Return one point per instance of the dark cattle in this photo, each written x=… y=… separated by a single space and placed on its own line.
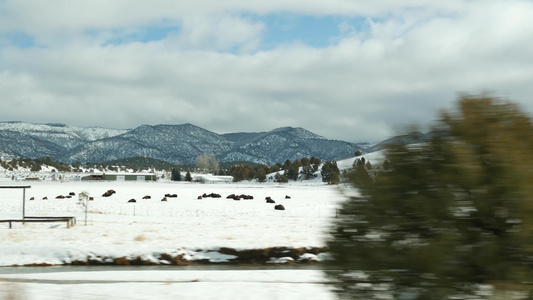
x=287 y=197
x=45 y=198
x=269 y=200
x=200 y=197
x=164 y=199
x=212 y=195
x=108 y=193
x=72 y=194
x=147 y=197
x=60 y=197
x=239 y=197
x=132 y=201
x=279 y=207
x=91 y=198
x=171 y=195
x=68 y=196
x=32 y=198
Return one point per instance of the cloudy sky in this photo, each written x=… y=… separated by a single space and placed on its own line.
x=353 y=70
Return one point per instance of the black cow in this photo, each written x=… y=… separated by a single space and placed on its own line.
x=279 y=207
x=108 y=193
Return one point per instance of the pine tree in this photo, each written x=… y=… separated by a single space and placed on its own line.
x=261 y=173
x=175 y=175
x=316 y=164
x=447 y=215
x=280 y=178
x=330 y=172
x=307 y=172
x=292 y=171
x=188 y=176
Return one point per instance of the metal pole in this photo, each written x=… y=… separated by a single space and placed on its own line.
x=23 y=203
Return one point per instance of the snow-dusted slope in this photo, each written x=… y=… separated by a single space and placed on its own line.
x=60 y=132
x=179 y=144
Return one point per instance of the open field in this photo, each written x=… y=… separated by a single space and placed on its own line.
x=187 y=226
x=118 y=228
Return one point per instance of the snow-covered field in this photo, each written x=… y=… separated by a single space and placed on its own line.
x=184 y=225
x=167 y=285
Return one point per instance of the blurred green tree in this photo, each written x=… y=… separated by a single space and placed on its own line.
x=446 y=215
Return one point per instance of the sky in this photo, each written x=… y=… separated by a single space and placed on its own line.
x=352 y=70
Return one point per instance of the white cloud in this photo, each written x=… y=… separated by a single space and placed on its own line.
x=412 y=60
x=217 y=33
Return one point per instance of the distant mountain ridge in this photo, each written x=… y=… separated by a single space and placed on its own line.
x=179 y=144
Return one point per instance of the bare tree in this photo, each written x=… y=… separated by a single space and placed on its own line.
x=83 y=200
x=207 y=162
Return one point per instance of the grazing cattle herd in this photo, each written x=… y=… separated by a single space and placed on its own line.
x=108 y=193
x=239 y=197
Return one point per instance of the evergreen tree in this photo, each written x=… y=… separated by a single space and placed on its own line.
x=291 y=171
x=307 y=172
x=275 y=168
x=280 y=178
x=261 y=173
x=448 y=215
x=175 y=175
x=240 y=173
x=188 y=176
x=315 y=163
x=287 y=165
x=330 y=172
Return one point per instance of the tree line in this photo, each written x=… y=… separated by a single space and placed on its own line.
x=299 y=169
x=304 y=168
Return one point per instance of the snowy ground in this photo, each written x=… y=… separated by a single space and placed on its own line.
x=163 y=285
x=184 y=224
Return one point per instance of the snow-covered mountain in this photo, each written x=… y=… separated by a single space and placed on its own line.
x=179 y=144
x=19 y=139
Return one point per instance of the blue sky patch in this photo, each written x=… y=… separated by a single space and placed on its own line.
x=144 y=35
x=317 y=32
x=19 y=39
x=280 y=29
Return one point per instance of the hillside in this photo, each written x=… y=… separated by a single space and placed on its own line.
x=176 y=144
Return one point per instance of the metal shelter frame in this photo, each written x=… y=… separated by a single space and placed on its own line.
x=23 y=187
x=70 y=221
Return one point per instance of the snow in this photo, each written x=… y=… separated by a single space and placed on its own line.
x=161 y=285
x=185 y=226
x=375 y=158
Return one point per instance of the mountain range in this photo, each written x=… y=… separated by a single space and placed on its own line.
x=178 y=144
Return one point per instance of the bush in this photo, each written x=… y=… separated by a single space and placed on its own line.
x=447 y=215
